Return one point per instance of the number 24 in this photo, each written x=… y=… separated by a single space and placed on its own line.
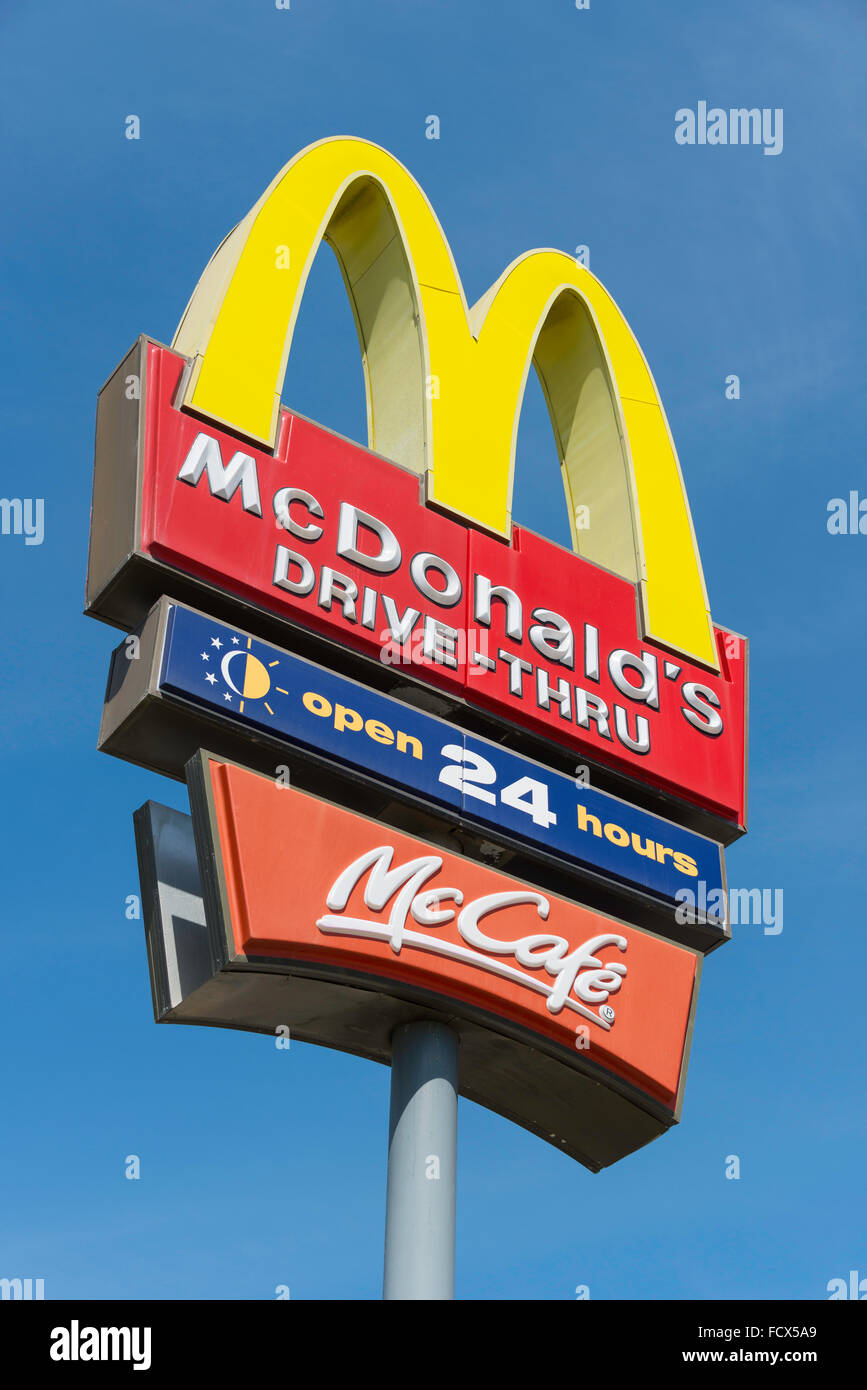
x=473 y=774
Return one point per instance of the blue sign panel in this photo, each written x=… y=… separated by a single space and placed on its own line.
x=254 y=683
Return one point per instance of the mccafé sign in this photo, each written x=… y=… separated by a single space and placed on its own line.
x=337 y=926
x=405 y=553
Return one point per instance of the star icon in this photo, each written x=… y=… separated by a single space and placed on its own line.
x=204 y=656
x=228 y=697
x=211 y=678
x=215 y=642
x=236 y=641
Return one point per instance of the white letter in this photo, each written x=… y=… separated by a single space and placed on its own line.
x=684 y=132
x=205 y=456
x=351 y=518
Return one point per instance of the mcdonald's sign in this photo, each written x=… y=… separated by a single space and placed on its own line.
x=404 y=556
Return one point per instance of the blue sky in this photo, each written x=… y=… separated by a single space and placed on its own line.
x=262 y=1167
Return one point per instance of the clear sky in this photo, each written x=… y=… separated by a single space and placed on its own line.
x=261 y=1167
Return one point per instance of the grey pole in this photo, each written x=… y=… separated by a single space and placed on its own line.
x=422 y=1161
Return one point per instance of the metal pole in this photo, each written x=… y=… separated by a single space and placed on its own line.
x=422 y=1162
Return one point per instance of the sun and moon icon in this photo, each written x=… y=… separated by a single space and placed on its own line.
x=244 y=674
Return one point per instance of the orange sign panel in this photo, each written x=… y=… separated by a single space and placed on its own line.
x=299 y=879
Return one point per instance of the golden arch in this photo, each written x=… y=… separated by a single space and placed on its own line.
x=444 y=381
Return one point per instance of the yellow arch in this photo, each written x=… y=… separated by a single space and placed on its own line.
x=444 y=382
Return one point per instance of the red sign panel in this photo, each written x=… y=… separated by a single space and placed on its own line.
x=332 y=537
x=304 y=880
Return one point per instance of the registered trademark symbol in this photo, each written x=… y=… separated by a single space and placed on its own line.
x=607 y=1013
